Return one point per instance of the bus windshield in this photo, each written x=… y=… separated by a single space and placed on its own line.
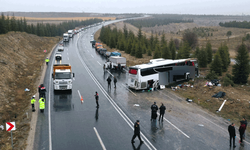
x=63 y=75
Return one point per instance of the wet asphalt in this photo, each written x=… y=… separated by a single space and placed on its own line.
x=77 y=125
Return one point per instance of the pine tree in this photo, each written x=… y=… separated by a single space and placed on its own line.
x=197 y=51
x=149 y=52
x=112 y=42
x=125 y=31
x=241 y=69
x=209 y=52
x=151 y=41
x=224 y=54
x=13 y=26
x=129 y=46
x=3 y=28
x=139 y=35
x=157 y=53
x=172 y=49
x=202 y=58
x=166 y=52
x=132 y=53
x=163 y=41
x=138 y=51
x=186 y=50
x=216 y=65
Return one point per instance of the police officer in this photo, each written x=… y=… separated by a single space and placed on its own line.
x=96 y=99
x=42 y=104
x=162 y=112
x=33 y=100
x=154 y=109
x=47 y=60
x=136 y=132
x=42 y=91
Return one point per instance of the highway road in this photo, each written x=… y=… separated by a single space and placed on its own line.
x=69 y=124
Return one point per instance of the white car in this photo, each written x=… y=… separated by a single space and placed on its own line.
x=58 y=56
x=60 y=48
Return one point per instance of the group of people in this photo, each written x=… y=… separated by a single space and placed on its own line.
x=109 y=65
x=232 y=133
x=154 y=109
x=42 y=95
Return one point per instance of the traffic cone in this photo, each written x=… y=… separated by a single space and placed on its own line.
x=81 y=99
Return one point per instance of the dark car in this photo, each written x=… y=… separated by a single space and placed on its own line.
x=102 y=51
x=107 y=54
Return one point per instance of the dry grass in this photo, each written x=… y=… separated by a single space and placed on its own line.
x=21 y=59
x=65 y=18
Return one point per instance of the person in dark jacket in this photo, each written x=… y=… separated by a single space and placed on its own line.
x=96 y=99
x=245 y=122
x=42 y=91
x=231 y=131
x=115 y=80
x=162 y=112
x=109 y=82
x=242 y=130
x=136 y=132
x=154 y=109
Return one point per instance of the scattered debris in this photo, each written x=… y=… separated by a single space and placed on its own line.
x=2 y=127
x=136 y=105
x=201 y=125
x=27 y=90
x=219 y=95
x=189 y=100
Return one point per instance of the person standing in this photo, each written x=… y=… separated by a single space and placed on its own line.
x=109 y=82
x=242 y=130
x=136 y=132
x=245 y=122
x=231 y=131
x=42 y=91
x=47 y=60
x=104 y=67
x=96 y=99
x=33 y=100
x=154 y=109
x=115 y=80
x=42 y=104
x=162 y=112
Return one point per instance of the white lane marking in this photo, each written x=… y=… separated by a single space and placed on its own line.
x=99 y=63
x=175 y=126
x=219 y=126
x=117 y=108
x=92 y=55
x=110 y=73
x=128 y=89
x=100 y=140
x=79 y=93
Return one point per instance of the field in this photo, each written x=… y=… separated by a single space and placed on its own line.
x=238 y=101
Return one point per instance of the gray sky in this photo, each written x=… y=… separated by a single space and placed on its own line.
x=225 y=7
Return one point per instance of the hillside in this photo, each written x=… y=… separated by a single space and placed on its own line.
x=20 y=64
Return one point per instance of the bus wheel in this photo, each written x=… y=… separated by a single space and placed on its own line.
x=187 y=77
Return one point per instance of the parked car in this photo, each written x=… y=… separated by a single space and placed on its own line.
x=115 y=54
x=107 y=54
x=60 y=48
x=102 y=51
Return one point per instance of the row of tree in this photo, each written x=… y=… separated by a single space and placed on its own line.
x=151 y=22
x=12 y=24
x=236 y=24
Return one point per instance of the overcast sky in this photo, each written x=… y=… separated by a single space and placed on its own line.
x=225 y=7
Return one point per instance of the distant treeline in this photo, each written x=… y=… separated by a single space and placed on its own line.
x=158 y=20
x=236 y=24
x=40 y=29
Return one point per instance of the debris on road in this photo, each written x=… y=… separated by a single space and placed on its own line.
x=136 y=105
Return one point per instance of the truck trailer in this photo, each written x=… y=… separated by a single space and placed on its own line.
x=62 y=76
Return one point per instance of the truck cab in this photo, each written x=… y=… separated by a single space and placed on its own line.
x=65 y=37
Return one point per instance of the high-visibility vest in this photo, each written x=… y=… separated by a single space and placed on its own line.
x=33 y=101
x=42 y=103
x=47 y=60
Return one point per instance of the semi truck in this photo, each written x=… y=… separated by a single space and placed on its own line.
x=62 y=76
x=65 y=37
x=71 y=33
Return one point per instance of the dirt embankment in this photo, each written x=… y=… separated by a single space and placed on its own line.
x=20 y=65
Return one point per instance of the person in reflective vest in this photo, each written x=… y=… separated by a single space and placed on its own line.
x=47 y=60
x=33 y=100
x=42 y=104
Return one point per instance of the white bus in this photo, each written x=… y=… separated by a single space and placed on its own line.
x=146 y=76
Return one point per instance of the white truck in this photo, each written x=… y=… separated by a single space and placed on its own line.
x=71 y=33
x=65 y=37
x=116 y=60
x=62 y=76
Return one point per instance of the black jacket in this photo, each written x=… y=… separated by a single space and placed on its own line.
x=115 y=80
x=231 y=130
x=154 y=108
x=109 y=80
x=136 y=128
x=162 y=109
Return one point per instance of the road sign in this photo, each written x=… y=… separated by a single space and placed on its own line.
x=45 y=51
x=10 y=126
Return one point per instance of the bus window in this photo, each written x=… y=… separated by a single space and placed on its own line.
x=133 y=71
